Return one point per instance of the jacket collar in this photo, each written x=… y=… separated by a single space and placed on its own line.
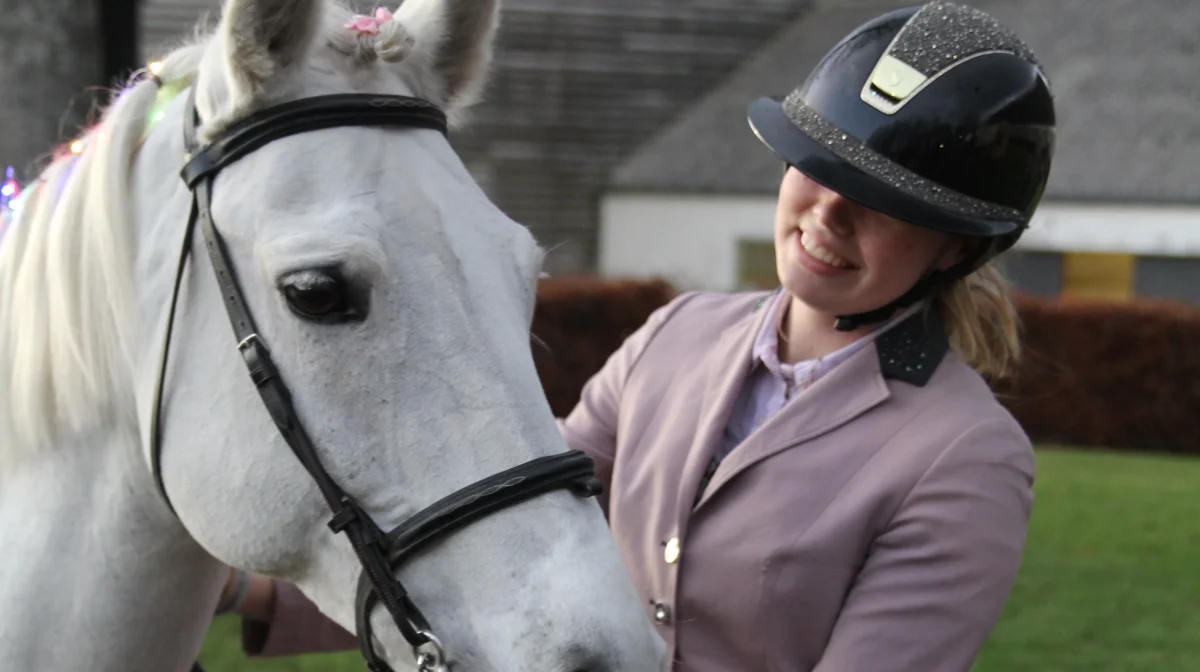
x=909 y=353
x=912 y=350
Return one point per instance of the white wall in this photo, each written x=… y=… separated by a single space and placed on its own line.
x=691 y=240
x=688 y=240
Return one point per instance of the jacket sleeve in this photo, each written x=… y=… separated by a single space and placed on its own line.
x=936 y=580
x=591 y=427
x=296 y=627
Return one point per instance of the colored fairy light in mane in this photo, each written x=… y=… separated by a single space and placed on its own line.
x=10 y=199
x=9 y=190
x=167 y=92
x=70 y=150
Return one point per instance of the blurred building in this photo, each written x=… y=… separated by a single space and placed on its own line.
x=577 y=86
x=615 y=129
x=1121 y=216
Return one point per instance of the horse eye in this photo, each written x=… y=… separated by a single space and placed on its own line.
x=321 y=296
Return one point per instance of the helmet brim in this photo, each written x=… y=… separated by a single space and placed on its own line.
x=795 y=147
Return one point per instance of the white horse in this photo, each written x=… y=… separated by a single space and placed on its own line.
x=429 y=386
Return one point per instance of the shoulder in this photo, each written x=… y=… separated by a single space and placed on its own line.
x=956 y=465
x=971 y=402
x=936 y=396
x=713 y=311
x=943 y=422
x=957 y=420
x=676 y=335
x=696 y=320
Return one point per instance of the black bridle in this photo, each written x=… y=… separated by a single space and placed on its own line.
x=379 y=553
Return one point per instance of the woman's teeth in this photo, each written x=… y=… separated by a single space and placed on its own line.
x=811 y=246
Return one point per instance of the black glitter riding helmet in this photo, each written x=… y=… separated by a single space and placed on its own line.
x=936 y=115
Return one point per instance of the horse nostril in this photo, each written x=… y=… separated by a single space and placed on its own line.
x=588 y=658
x=591 y=662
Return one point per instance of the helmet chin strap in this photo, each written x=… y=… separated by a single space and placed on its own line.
x=925 y=287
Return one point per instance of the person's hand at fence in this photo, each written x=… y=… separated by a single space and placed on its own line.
x=249 y=594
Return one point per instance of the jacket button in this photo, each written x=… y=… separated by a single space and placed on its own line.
x=671 y=552
x=662 y=613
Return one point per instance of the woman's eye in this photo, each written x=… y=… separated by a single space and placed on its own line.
x=320 y=296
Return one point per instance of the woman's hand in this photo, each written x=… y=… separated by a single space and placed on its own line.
x=251 y=595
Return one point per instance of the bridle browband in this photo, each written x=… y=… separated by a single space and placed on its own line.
x=379 y=553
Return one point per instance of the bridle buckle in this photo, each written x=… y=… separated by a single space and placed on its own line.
x=431 y=656
x=250 y=340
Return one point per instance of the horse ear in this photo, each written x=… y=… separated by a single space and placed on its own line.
x=261 y=37
x=455 y=37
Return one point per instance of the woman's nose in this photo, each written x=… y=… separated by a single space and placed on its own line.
x=835 y=212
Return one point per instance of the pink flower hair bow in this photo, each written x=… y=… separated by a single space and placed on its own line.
x=369 y=25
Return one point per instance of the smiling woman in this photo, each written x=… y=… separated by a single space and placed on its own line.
x=835 y=256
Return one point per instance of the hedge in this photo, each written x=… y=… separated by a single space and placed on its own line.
x=1118 y=375
x=579 y=322
x=1110 y=375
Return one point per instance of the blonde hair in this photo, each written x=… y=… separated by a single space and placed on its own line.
x=982 y=323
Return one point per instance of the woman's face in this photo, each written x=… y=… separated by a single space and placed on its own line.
x=842 y=258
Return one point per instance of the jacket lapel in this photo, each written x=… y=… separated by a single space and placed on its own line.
x=909 y=352
x=724 y=370
x=852 y=388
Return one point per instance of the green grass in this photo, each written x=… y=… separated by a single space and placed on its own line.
x=1110 y=580
x=222 y=652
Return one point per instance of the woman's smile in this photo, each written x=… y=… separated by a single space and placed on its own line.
x=819 y=258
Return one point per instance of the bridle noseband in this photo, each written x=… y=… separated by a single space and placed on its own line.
x=379 y=553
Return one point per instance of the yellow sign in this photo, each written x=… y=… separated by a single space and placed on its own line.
x=1097 y=276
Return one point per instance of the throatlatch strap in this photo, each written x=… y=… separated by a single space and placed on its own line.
x=156 y=413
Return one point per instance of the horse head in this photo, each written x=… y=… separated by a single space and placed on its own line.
x=396 y=300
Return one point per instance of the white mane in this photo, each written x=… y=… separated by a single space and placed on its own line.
x=66 y=282
x=66 y=261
